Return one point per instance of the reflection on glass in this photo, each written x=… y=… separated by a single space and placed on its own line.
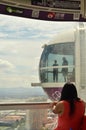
x=24 y=119
x=57 y=63
x=12 y=119
x=35 y=119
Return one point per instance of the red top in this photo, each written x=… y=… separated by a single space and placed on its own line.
x=65 y=122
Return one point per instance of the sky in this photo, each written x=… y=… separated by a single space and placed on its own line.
x=21 y=42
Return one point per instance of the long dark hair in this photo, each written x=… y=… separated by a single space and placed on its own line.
x=69 y=93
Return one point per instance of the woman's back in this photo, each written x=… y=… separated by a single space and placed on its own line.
x=70 y=109
x=67 y=121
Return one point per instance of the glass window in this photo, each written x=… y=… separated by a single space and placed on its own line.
x=20 y=50
x=33 y=119
x=57 y=63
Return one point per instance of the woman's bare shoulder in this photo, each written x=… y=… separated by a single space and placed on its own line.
x=59 y=108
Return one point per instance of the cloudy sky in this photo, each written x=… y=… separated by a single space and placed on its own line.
x=21 y=43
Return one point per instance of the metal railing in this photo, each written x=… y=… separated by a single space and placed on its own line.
x=30 y=105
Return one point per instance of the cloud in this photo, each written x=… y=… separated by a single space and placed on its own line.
x=4 y=63
x=21 y=55
x=2 y=35
x=29 y=28
x=6 y=66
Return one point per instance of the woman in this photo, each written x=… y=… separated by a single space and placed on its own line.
x=70 y=109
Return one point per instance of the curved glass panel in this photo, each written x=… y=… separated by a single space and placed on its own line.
x=57 y=63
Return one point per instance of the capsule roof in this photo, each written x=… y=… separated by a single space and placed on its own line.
x=65 y=36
